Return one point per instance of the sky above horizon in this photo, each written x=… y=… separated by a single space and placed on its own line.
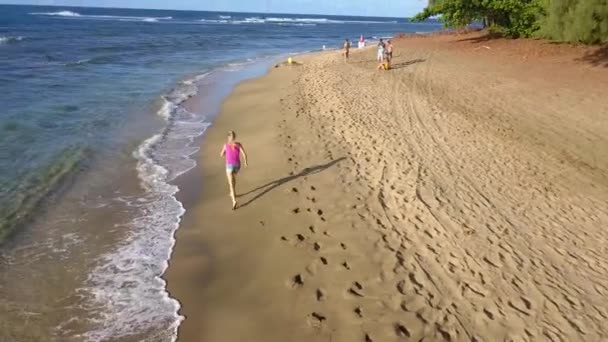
x=386 y=8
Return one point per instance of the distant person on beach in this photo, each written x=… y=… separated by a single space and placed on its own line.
x=346 y=48
x=381 y=49
x=233 y=150
x=389 y=52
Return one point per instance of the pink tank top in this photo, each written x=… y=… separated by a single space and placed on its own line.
x=233 y=154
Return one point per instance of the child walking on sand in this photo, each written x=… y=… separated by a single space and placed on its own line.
x=232 y=150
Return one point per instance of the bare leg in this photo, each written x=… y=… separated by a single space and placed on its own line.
x=230 y=177
x=234 y=190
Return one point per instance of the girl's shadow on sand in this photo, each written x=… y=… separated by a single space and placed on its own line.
x=276 y=183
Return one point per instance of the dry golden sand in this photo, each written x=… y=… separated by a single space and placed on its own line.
x=414 y=204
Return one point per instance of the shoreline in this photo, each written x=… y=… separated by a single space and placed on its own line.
x=339 y=240
x=207 y=165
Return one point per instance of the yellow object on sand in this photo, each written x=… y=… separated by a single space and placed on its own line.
x=289 y=60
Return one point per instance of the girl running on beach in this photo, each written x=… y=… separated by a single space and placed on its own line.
x=233 y=150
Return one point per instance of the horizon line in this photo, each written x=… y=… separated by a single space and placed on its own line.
x=195 y=10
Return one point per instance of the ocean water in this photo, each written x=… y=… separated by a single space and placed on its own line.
x=93 y=134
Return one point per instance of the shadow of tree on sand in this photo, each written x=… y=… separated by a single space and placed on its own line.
x=598 y=57
x=408 y=63
x=266 y=188
x=483 y=38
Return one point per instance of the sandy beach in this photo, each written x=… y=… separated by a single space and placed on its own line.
x=460 y=196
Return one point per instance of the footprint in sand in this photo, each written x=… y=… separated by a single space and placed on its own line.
x=522 y=307
x=489 y=313
x=320 y=295
x=356 y=289
x=312 y=268
x=297 y=281
x=316 y=319
x=402 y=331
x=416 y=280
x=401 y=287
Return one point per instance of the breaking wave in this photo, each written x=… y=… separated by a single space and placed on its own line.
x=10 y=39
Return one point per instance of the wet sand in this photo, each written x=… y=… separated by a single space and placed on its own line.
x=461 y=196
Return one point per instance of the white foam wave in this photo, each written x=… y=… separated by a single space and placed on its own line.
x=195 y=79
x=303 y=20
x=127 y=285
x=238 y=66
x=293 y=21
x=78 y=62
x=370 y=22
x=59 y=14
x=119 y=17
x=213 y=21
x=10 y=39
x=255 y=20
x=102 y=17
x=223 y=19
x=296 y=24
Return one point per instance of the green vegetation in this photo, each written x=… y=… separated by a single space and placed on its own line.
x=575 y=20
x=584 y=21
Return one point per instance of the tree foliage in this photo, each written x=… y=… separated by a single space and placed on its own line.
x=576 y=20
x=566 y=20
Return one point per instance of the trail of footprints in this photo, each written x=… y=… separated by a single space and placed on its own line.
x=314 y=241
x=327 y=253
